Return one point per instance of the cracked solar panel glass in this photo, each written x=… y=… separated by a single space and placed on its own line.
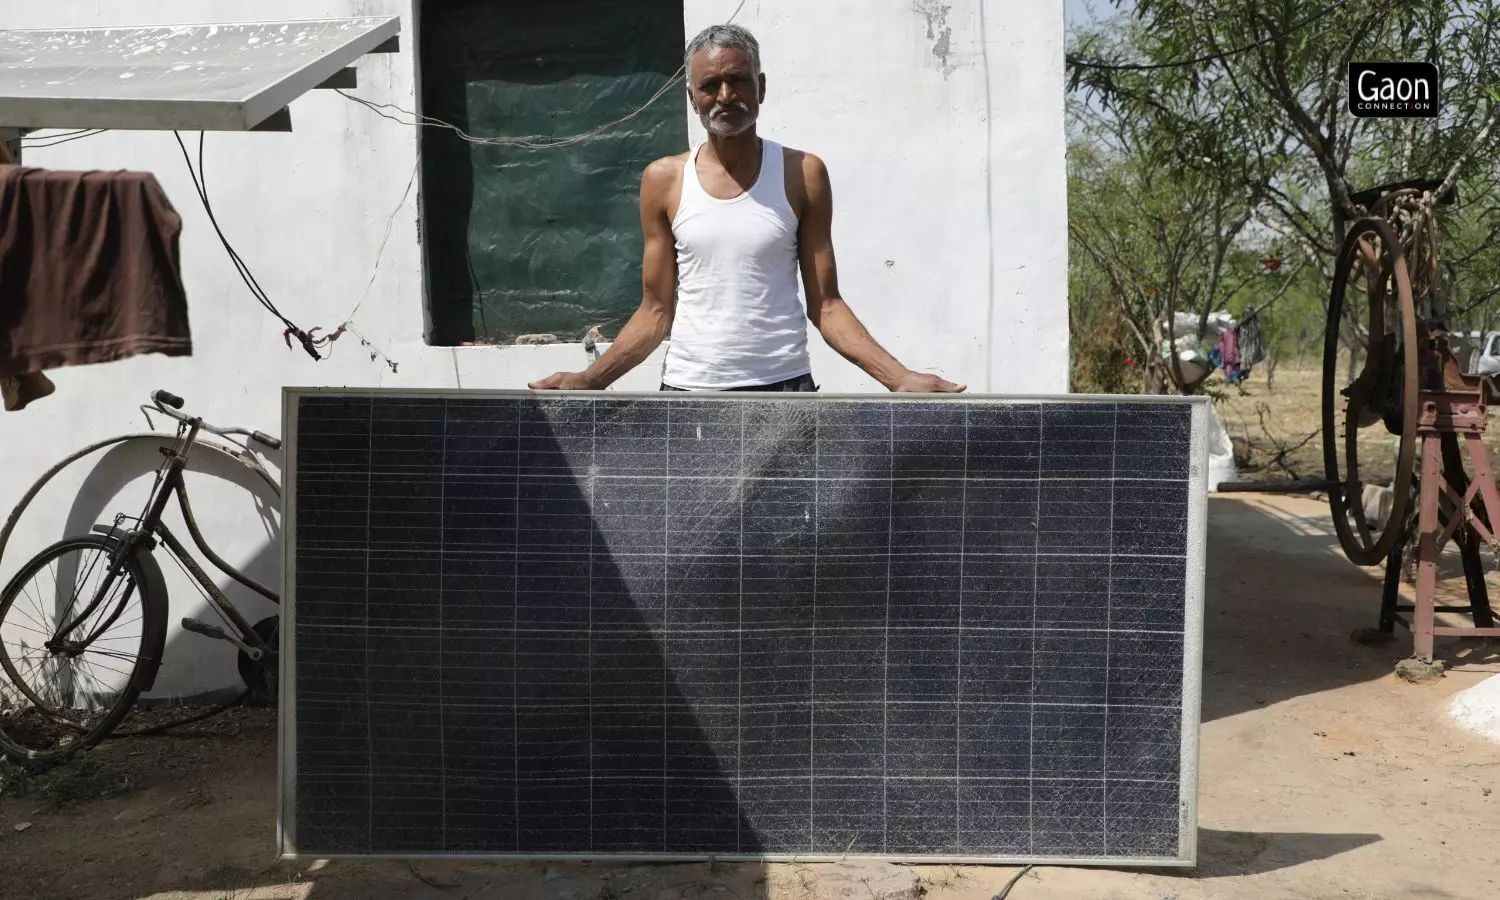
x=683 y=626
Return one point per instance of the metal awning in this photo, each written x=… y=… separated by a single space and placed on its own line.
x=233 y=77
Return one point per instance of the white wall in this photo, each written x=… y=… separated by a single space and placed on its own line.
x=942 y=125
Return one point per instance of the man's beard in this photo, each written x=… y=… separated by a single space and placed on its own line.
x=722 y=128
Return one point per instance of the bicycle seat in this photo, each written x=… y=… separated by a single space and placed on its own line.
x=1368 y=196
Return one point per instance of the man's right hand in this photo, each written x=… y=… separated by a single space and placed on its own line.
x=564 y=381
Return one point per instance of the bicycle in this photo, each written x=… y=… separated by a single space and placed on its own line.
x=82 y=708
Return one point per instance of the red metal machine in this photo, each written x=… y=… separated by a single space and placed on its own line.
x=1451 y=417
x=1403 y=385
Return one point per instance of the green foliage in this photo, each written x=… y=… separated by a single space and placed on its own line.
x=1104 y=361
x=1148 y=240
x=1265 y=118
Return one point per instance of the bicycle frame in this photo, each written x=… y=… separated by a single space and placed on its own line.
x=175 y=485
x=169 y=483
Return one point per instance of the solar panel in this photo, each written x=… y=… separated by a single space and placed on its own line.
x=680 y=626
x=229 y=77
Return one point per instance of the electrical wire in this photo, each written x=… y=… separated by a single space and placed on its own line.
x=292 y=330
x=32 y=137
x=389 y=224
x=418 y=120
x=347 y=325
x=393 y=113
x=200 y=185
x=30 y=134
x=378 y=109
x=1213 y=57
x=53 y=140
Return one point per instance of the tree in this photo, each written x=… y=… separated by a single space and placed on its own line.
x=1264 y=101
x=1149 y=240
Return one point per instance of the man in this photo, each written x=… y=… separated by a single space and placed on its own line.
x=727 y=227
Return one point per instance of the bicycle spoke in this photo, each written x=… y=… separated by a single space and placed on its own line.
x=128 y=622
x=88 y=668
x=80 y=625
x=113 y=654
x=41 y=625
x=84 y=659
x=58 y=702
x=32 y=630
x=78 y=683
x=84 y=677
x=34 y=666
x=22 y=674
x=105 y=602
x=77 y=581
x=41 y=611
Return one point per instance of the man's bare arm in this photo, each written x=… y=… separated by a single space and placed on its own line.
x=649 y=324
x=826 y=309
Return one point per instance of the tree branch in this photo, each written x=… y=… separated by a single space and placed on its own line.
x=1408 y=146
x=1309 y=250
x=1239 y=287
x=1113 y=235
x=1312 y=132
x=1310 y=237
x=1283 y=449
x=1288 y=207
x=1357 y=34
x=1463 y=158
x=1121 y=290
x=1286 y=285
x=1483 y=247
x=1483 y=298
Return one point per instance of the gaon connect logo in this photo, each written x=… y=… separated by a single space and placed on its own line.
x=1393 y=90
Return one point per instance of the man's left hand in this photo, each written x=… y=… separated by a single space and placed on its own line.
x=923 y=383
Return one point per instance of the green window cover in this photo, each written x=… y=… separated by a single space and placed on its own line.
x=522 y=241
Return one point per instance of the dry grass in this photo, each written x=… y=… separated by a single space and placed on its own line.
x=1277 y=432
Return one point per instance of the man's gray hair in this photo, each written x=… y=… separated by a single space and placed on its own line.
x=724 y=37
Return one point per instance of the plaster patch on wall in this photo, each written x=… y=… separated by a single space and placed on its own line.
x=938 y=31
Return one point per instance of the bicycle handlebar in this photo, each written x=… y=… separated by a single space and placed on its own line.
x=162 y=400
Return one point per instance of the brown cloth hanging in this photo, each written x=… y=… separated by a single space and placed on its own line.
x=90 y=270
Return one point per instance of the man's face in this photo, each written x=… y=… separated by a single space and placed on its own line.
x=726 y=91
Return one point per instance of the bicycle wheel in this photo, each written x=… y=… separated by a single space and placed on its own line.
x=1370 y=388
x=81 y=633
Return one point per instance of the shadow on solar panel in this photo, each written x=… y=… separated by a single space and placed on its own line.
x=647 y=627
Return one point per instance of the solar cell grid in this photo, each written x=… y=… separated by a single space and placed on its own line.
x=622 y=625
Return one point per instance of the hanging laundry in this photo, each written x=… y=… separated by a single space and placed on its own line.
x=90 y=271
x=1229 y=356
x=1252 y=344
x=20 y=390
x=1229 y=349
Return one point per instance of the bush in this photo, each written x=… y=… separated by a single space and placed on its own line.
x=1105 y=360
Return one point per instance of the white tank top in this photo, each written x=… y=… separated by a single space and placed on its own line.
x=739 y=320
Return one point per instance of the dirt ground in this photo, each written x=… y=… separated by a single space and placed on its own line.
x=1323 y=776
x=1277 y=430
